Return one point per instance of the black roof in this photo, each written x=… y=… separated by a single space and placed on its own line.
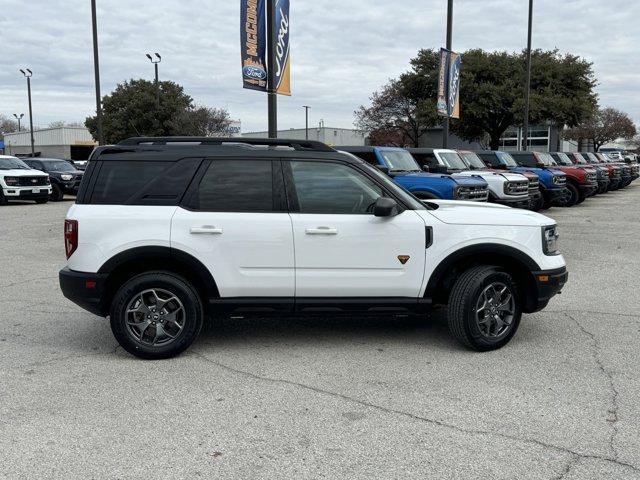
x=172 y=148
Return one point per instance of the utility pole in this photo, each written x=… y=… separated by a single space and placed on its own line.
x=306 y=121
x=18 y=118
x=445 y=126
x=527 y=88
x=155 y=64
x=28 y=75
x=272 y=96
x=96 y=68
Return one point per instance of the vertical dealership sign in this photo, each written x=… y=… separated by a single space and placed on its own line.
x=448 y=103
x=253 y=41
x=254 y=38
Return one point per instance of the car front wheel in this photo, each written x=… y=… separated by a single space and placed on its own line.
x=484 y=308
x=156 y=315
x=56 y=193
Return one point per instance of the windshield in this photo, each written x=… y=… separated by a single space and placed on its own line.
x=453 y=160
x=473 y=160
x=579 y=159
x=407 y=197
x=563 y=159
x=507 y=159
x=58 y=166
x=546 y=159
x=400 y=160
x=590 y=157
x=13 y=164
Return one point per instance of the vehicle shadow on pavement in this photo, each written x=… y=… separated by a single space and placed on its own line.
x=302 y=330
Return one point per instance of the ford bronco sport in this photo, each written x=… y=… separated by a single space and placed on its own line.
x=166 y=231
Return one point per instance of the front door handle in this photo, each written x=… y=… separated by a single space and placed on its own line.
x=321 y=231
x=206 y=229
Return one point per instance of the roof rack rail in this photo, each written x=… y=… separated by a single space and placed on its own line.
x=270 y=142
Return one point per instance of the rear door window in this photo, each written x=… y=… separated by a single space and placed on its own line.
x=236 y=186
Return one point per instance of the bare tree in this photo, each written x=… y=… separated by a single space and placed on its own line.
x=393 y=117
x=7 y=125
x=202 y=122
x=605 y=126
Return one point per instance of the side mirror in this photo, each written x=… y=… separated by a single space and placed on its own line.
x=383 y=168
x=500 y=166
x=439 y=169
x=385 y=207
x=426 y=168
x=540 y=165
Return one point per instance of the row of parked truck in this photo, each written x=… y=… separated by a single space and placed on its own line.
x=530 y=180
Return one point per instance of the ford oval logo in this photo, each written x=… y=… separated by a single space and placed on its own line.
x=251 y=71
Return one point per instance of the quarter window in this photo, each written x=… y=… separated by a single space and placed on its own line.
x=236 y=186
x=333 y=188
x=120 y=180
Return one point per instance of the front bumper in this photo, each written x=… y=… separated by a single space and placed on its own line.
x=589 y=189
x=27 y=193
x=521 y=202
x=84 y=289
x=556 y=196
x=548 y=283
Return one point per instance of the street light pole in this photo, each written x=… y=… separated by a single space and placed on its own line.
x=272 y=96
x=28 y=75
x=445 y=126
x=527 y=88
x=19 y=118
x=306 y=121
x=96 y=68
x=155 y=64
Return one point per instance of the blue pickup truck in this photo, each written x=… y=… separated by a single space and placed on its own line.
x=400 y=165
x=552 y=182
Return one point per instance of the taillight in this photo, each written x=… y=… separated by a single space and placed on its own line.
x=70 y=236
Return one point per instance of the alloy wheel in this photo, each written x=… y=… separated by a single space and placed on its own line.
x=495 y=310
x=155 y=317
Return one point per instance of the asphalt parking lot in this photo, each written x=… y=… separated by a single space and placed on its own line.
x=327 y=398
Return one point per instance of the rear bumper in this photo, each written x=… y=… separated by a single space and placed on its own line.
x=84 y=289
x=548 y=283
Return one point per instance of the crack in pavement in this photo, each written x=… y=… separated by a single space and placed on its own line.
x=617 y=314
x=414 y=416
x=613 y=411
x=567 y=468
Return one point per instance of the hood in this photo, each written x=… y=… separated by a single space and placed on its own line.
x=475 y=213
x=471 y=181
x=511 y=177
x=19 y=172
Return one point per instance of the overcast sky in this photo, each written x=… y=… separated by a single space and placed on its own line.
x=341 y=51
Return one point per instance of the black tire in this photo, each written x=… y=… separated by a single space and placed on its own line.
x=40 y=201
x=3 y=199
x=539 y=204
x=132 y=338
x=464 y=322
x=574 y=195
x=56 y=193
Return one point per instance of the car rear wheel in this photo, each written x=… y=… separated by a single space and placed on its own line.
x=3 y=199
x=56 y=193
x=484 y=308
x=156 y=315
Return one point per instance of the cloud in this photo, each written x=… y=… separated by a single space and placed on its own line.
x=341 y=51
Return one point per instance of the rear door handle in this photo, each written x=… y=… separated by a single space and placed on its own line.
x=206 y=229
x=321 y=231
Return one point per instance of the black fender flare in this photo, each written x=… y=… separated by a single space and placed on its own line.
x=186 y=263
x=520 y=259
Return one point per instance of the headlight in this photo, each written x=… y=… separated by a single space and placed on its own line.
x=461 y=192
x=11 y=181
x=47 y=180
x=550 y=240
x=558 y=179
x=66 y=177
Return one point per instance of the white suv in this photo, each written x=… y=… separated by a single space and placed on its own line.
x=168 y=231
x=18 y=181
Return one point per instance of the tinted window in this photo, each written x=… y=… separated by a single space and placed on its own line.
x=333 y=188
x=369 y=157
x=120 y=180
x=236 y=186
x=58 y=166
